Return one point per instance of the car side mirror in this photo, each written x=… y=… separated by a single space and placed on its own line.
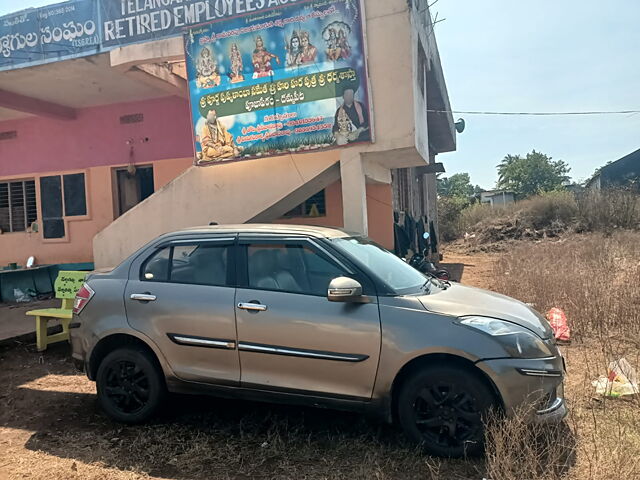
x=345 y=289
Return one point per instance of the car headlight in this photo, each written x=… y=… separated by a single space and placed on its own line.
x=516 y=340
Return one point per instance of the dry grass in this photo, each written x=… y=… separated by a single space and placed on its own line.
x=50 y=426
x=595 y=279
x=599 y=440
x=519 y=450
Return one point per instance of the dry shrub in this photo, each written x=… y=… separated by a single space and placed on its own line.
x=548 y=209
x=517 y=449
x=481 y=212
x=545 y=215
x=609 y=209
x=449 y=213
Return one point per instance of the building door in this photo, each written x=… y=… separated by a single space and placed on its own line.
x=133 y=188
x=290 y=336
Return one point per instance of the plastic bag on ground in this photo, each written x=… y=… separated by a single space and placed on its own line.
x=20 y=296
x=559 y=324
x=621 y=380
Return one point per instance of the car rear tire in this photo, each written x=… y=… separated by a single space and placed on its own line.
x=130 y=386
x=444 y=409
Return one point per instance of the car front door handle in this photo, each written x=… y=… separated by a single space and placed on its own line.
x=143 y=297
x=252 y=307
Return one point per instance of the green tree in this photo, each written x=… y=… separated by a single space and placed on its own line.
x=458 y=185
x=536 y=173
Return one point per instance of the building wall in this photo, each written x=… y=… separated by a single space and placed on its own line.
x=505 y=199
x=97 y=141
x=76 y=246
x=94 y=144
x=98 y=138
x=497 y=198
x=233 y=196
x=391 y=75
x=333 y=204
x=379 y=212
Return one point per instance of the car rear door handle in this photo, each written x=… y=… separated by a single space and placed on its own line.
x=143 y=297
x=252 y=307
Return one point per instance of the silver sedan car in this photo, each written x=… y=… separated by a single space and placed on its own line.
x=313 y=316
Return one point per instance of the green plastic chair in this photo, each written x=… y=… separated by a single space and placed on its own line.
x=66 y=286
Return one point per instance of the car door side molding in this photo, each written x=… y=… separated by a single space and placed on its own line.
x=296 y=352
x=191 y=341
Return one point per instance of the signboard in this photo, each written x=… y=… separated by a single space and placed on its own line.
x=64 y=30
x=68 y=283
x=129 y=21
x=289 y=78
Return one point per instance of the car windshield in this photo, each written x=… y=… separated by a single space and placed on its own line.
x=394 y=272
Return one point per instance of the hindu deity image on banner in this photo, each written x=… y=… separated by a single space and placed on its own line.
x=282 y=80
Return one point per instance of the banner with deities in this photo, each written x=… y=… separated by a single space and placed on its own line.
x=289 y=78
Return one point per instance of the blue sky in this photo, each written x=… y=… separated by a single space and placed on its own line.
x=547 y=55
x=9 y=6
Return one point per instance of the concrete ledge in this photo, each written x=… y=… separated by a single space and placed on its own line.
x=29 y=338
x=170 y=49
x=13 y=320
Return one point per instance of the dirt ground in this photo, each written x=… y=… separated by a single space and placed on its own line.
x=474 y=270
x=51 y=428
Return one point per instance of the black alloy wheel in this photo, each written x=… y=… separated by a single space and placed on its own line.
x=127 y=386
x=130 y=387
x=444 y=409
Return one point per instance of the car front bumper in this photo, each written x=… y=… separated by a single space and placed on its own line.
x=554 y=414
x=531 y=386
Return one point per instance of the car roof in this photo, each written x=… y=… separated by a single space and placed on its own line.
x=268 y=228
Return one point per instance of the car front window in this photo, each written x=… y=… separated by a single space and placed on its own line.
x=394 y=272
x=290 y=268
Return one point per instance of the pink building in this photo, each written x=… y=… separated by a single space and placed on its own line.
x=96 y=153
x=64 y=180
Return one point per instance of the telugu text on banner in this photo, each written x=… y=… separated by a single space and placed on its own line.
x=285 y=80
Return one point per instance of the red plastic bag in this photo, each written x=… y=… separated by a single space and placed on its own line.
x=558 y=321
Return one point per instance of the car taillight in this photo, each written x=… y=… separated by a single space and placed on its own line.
x=82 y=298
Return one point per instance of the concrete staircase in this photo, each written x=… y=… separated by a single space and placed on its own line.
x=259 y=190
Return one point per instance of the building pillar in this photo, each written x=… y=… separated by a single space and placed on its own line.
x=354 y=192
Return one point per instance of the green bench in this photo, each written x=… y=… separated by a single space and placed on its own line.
x=66 y=286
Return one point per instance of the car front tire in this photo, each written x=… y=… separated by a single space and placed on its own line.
x=444 y=409
x=130 y=386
